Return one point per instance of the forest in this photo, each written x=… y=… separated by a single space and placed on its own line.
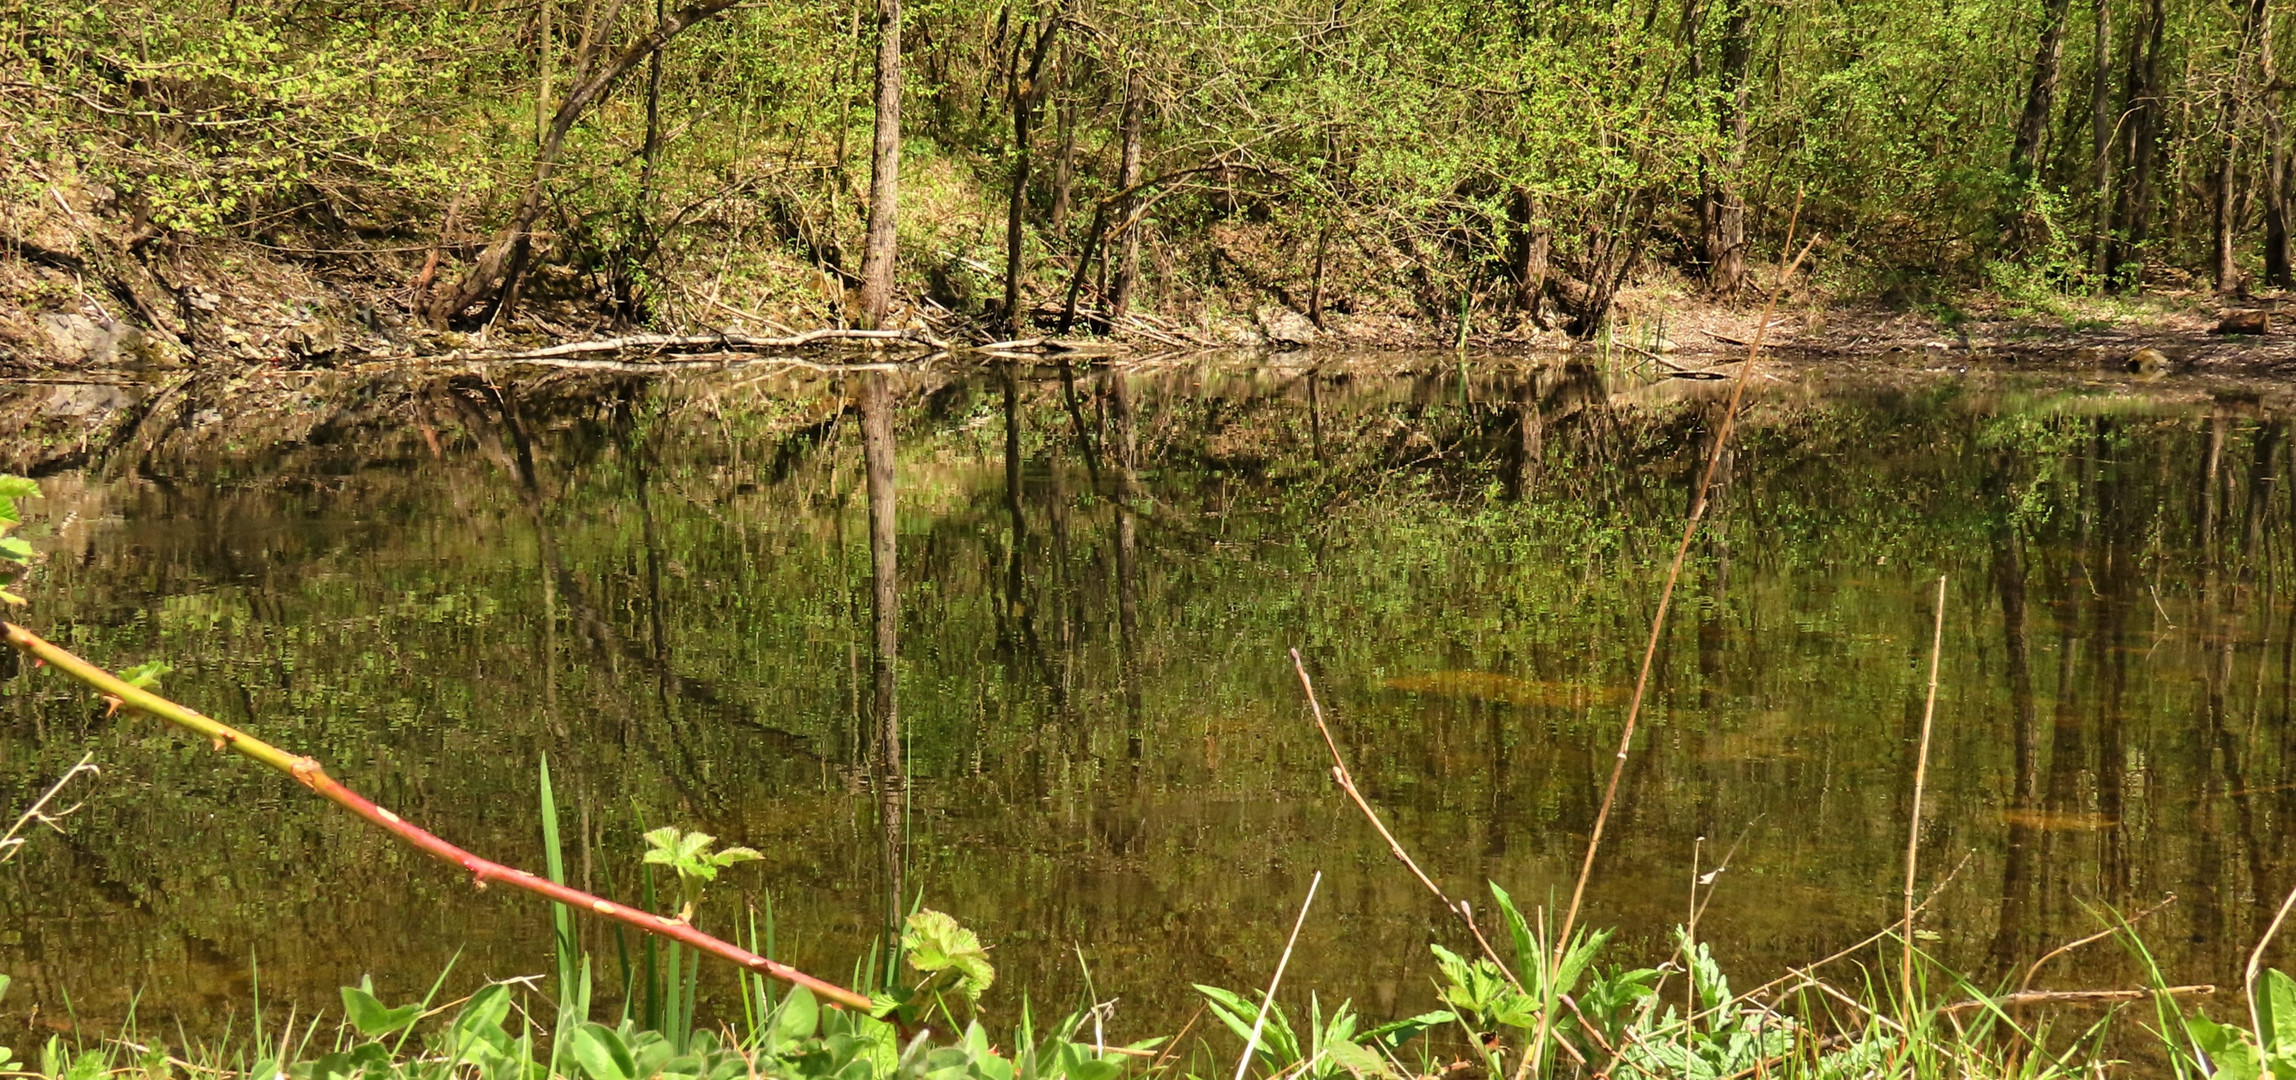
x=1003 y=168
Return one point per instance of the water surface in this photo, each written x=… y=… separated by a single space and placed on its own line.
x=663 y=583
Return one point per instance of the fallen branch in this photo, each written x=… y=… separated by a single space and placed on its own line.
x=310 y=774
x=659 y=343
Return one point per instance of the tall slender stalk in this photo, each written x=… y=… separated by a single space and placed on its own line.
x=1920 y=781
x=308 y=772
x=1530 y=1061
x=1260 y=1023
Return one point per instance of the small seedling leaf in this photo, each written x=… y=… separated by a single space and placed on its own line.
x=145 y=676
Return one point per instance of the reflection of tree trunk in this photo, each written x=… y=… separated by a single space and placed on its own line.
x=1127 y=570
x=2016 y=872
x=2116 y=582
x=1531 y=438
x=885 y=644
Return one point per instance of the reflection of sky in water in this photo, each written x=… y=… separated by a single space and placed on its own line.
x=673 y=605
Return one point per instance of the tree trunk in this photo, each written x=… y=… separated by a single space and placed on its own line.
x=488 y=277
x=1064 y=167
x=1315 y=289
x=2101 y=137
x=2040 y=98
x=546 y=48
x=2134 y=207
x=2277 y=252
x=884 y=173
x=2225 y=208
x=1127 y=178
x=1025 y=90
x=1726 y=241
x=1531 y=241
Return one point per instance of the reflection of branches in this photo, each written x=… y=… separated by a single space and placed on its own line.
x=12 y=841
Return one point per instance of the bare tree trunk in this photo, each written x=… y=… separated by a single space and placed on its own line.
x=1531 y=242
x=1064 y=167
x=1726 y=242
x=2135 y=202
x=2226 y=209
x=1025 y=91
x=2277 y=250
x=884 y=173
x=546 y=46
x=1315 y=290
x=2040 y=97
x=2101 y=137
x=488 y=277
x=1127 y=178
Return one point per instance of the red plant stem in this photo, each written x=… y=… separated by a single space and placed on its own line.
x=310 y=774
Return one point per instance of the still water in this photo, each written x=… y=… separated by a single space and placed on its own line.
x=663 y=583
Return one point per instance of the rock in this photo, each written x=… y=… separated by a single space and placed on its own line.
x=1285 y=328
x=311 y=338
x=72 y=336
x=2147 y=361
x=2244 y=322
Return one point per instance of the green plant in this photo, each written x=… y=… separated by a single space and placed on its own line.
x=7 y=1063
x=947 y=955
x=2233 y=1052
x=689 y=854
x=1334 y=1047
x=15 y=552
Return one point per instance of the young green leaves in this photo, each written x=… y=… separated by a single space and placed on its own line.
x=15 y=554
x=689 y=854
x=945 y=952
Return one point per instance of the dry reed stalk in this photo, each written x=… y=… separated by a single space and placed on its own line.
x=2073 y=997
x=309 y=773
x=1260 y=1023
x=1657 y=628
x=1920 y=780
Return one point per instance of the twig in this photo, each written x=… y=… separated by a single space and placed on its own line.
x=1877 y=935
x=1259 y=1024
x=309 y=773
x=1465 y=914
x=1920 y=780
x=677 y=342
x=10 y=843
x=2092 y=939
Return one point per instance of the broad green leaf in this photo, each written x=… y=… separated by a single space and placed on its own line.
x=371 y=1017
x=17 y=487
x=147 y=674
x=733 y=855
x=1359 y=1061
x=2276 y=1008
x=798 y=1017
x=601 y=1053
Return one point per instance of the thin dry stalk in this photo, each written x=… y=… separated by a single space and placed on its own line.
x=11 y=842
x=2074 y=997
x=1657 y=628
x=2092 y=939
x=1346 y=780
x=1260 y=1022
x=1920 y=780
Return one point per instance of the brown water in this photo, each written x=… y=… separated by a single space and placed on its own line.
x=663 y=583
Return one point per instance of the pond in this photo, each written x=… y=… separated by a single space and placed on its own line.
x=662 y=582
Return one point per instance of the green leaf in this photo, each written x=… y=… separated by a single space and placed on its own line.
x=1359 y=1061
x=935 y=943
x=146 y=675
x=733 y=855
x=2276 y=1008
x=15 y=549
x=371 y=1017
x=798 y=1017
x=17 y=487
x=601 y=1053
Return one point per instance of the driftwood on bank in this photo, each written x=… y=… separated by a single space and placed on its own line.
x=714 y=344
